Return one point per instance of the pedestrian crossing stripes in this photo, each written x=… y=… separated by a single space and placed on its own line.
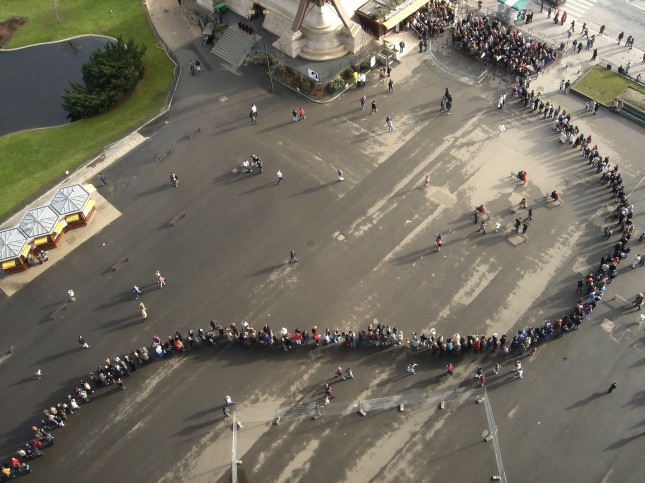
x=577 y=8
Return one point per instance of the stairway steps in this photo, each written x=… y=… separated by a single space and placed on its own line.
x=233 y=46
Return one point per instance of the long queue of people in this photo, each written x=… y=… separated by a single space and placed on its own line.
x=490 y=39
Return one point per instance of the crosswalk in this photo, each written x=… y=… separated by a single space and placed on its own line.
x=577 y=8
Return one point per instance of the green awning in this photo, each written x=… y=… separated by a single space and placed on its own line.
x=516 y=4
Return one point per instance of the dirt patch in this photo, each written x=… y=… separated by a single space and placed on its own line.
x=9 y=26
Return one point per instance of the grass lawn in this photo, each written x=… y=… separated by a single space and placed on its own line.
x=32 y=161
x=603 y=85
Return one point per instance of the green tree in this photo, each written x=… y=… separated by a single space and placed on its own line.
x=110 y=73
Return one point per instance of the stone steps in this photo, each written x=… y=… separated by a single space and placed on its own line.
x=234 y=45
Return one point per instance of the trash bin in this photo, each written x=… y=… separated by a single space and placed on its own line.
x=221 y=7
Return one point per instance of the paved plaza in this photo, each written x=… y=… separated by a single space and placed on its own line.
x=365 y=250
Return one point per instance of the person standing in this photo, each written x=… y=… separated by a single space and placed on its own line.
x=292 y=257
x=450 y=369
x=120 y=384
x=136 y=291
x=498 y=366
x=295 y=115
x=374 y=109
x=501 y=129
x=595 y=54
x=525 y=227
x=612 y=387
x=390 y=84
x=348 y=374
x=637 y=261
x=38 y=374
x=390 y=125
x=482 y=227
x=426 y=181
x=567 y=84
x=339 y=372
x=401 y=46
x=362 y=101
x=341 y=175
x=81 y=341
x=192 y=67
x=411 y=367
x=103 y=179
x=279 y=175
x=620 y=37
x=301 y=114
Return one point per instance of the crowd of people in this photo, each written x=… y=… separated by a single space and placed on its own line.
x=432 y=19
x=506 y=47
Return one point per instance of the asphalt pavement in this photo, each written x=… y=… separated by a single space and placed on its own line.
x=365 y=252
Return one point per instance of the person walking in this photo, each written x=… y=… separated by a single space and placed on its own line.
x=81 y=341
x=292 y=257
x=525 y=227
x=103 y=179
x=144 y=312
x=612 y=387
x=301 y=114
x=602 y=30
x=401 y=46
x=637 y=261
x=411 y=367
x=341 y=175
x=160 y=279
x=595 y=54
x=390 y=84
x=339 y=372
x=136 y=291
x=279 y=175
x=620 y=37
x=120 y=384
x=482 y=227
x=348 y=374
x=502 y=129
x=389 y=124
x=519 y=370
x=498 y=366
x=567 y=84
x=450 y=369
x=38 y=374
x=254 y=114
x=362 y=101
x=294 y=113
x=374 y=109
x=426 y=181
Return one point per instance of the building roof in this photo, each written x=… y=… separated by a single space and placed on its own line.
x=69 y=199
x=12 y=241
x=39 y=221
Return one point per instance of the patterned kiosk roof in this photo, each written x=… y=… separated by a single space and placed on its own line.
x=12 y=241
x=39 y=221
x=69 y=199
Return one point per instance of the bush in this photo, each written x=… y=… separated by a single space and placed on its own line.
x=109 y=74
x=306 y=85
x=347 y=73
x=335 y=86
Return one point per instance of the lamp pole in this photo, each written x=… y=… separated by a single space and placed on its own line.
x=268 y=64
